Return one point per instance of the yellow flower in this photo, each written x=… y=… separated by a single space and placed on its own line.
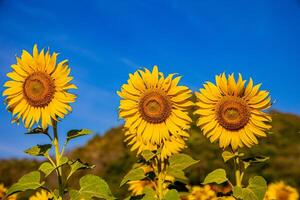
x=3 y=191
x=155 y=109
x=232 y=112
x=281 y=191
x=38 y=89
x=137 y=187
x=202 y=193
x=42 y=195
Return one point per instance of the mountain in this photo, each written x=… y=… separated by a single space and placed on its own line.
x=113 y=159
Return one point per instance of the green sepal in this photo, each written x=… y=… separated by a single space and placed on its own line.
x=227 y=155
x=148 y=155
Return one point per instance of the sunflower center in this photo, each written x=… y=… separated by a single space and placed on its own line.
x=155 y=107
x=283 y=194
x=232 y=113
x=38 y=89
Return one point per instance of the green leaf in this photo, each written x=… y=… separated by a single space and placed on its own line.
x=47 y=168
x=39 y=150
x=249 y=194
x=181 y=161
x=78 y=165
x=30 y=181
x=148 y=155
x=256 y=159
x=38 y=130
x=178 y=174
x=238 y=192
x=255 y=190
x=258 y=186
x=74 y=195
x=172 y=195
x=149 y=194
x=92 y=186
x=77 y=133
x=227 y=155
x=133 y=175
x=217 y=176
x=63 y=160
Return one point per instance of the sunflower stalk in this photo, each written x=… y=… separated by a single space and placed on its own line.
x=238 y=172
x=58 y=156
x=161 y=177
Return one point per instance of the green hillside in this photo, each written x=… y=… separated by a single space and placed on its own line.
x=113 y=159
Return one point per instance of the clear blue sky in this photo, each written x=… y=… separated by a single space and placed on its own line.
x=106 y=40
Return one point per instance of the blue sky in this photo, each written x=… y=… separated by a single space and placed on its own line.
x=106 y=40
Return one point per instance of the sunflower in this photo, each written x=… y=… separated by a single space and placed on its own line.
x=41 y=195
x=202 y=193
x=38 y=89
x=155 y=109
x=3 y=191
x=281 y=191
x=232 y=112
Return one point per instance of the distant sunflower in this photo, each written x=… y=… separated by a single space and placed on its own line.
x=41 y=195
x=281 y=191
x=137 y=187
x=3 y=191
x=232 y=113
x=155 y=109
x=202 y=193
x=38 y=89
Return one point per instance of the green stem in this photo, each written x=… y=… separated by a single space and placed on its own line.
x=238 y=176
x=57 y=159
x=160 y=181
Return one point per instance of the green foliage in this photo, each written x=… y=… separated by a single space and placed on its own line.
x=77 y=133
x=149 y=194
x=181 y=161
x=133 y=175
x=148 y=155
x=92 y=186
x=255 y=190
x=39 y=150
x=178 y=163
x=30 y=181
x=47 y=168
x=172 y=195
x=113 y=158
x=227 y=155
x=78 y=165
x=256 y=159
x=38 y=130
x=217 y=176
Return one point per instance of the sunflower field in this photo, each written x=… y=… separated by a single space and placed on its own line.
x=175 y=144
